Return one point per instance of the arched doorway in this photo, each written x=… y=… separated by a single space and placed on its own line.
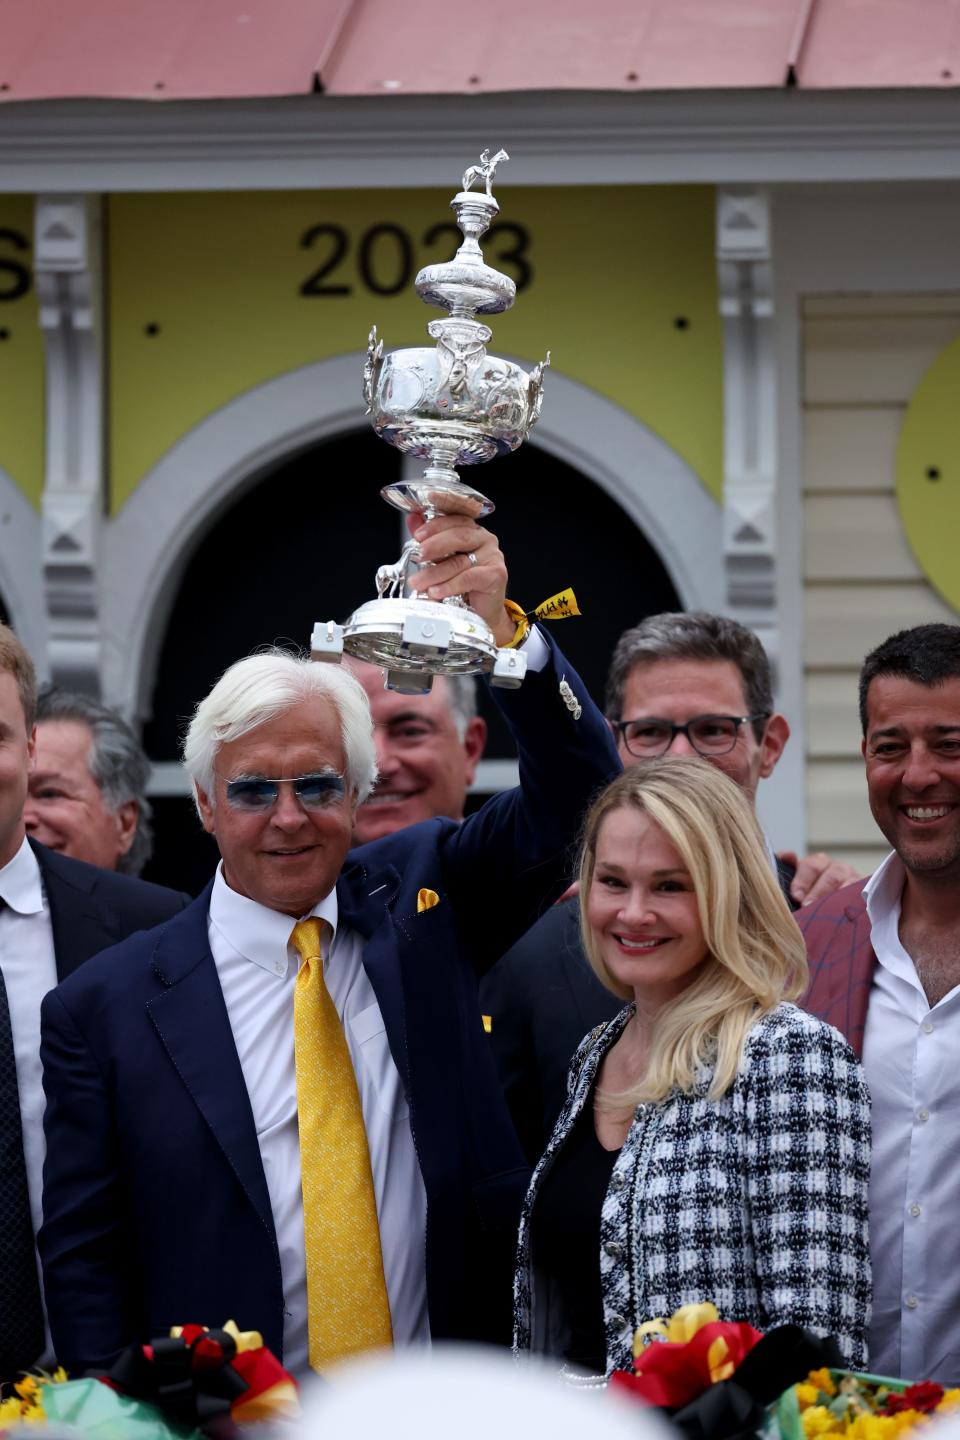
x=303 y=543
x=145 y=546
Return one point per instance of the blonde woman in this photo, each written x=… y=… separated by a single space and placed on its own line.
x=715 y=1144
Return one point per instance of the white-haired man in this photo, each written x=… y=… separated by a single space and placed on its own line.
x=311 y=1029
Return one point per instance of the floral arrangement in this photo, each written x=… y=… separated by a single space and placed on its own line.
x=26 y=1402
x=196 y=1382
x=675 y=1360
x=716 y=1378
x=861 y=1407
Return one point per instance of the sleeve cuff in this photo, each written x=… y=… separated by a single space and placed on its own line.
x=536 y=650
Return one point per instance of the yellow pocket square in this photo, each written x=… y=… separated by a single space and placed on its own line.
x=426 y=899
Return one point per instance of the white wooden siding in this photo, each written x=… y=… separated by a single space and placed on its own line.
x=863 y=358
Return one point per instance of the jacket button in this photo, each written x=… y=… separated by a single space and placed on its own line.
x=617 y=1182
x=618 y=1322
x=613 y=1250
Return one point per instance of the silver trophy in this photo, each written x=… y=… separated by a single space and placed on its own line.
x=451 y=405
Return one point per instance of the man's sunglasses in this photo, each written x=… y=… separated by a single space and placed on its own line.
x=255 y=792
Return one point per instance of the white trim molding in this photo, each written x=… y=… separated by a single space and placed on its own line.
x=21 y=583
x=67 y=264
x=148 y=544
x=557 y=138
x=744 y=273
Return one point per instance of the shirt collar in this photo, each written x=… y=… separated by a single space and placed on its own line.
x=20 y=883
x=883 y=890
x=257 y=933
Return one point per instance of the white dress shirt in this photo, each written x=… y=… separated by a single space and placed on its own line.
x=258 y=969
x=910 y=1056
x=29 y=971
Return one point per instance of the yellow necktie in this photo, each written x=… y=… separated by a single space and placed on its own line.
x=347 y=1304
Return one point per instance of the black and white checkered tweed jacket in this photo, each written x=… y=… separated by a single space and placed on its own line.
x=756 y=1201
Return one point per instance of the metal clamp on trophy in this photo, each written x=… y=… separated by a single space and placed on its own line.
x=452 y=405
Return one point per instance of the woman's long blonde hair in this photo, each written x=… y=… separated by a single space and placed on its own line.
x=756 y=955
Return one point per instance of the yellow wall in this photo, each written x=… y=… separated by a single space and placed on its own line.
x=928 y=473
x=217 y=278
x=21 y=353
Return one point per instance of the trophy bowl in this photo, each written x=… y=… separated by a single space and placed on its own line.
x=421 y=401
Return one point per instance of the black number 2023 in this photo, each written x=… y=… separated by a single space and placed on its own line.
x=386 y=262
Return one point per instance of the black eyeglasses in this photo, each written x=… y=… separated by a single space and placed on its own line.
x=709 y=735
x=257 y=793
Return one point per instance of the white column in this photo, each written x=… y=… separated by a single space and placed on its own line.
x=750 y=399
x=68 y=267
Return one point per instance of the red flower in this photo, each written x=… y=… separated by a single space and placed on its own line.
x=672 y=1375
x=925 y=1396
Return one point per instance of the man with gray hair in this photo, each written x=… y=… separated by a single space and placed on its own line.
x=689 y=683
x=281 y=1107
x=87 y=794
x=428 y=747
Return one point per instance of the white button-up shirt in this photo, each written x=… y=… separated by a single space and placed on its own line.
x=911 y=1056
x=29 y=971
x=258 y=968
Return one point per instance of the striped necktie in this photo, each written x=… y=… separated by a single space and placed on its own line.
x=22 y=1336
x=347 y=1301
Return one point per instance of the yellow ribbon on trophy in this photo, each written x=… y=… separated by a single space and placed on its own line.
x=558 y=607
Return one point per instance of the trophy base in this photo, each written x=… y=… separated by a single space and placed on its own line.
x=416 y=495
x=413 y=640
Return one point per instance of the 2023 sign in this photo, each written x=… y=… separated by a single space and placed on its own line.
x=385 y=256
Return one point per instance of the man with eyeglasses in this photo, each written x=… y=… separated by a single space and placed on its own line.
x=281 y=1108
x=684 y=684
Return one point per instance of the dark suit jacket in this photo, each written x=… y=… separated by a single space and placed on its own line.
x=842 y=962
x=542 y=999
x=155 y=1202
x=91 y=908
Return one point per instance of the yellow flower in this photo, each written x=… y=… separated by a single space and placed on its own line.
x=950 y=1401
x=807 y=1395
x=885 y=1427
x=823 y=1381
x=679 y=1329
x=869 y=1427
x=817 y=1420
x=27 y=1388
x=909 y=1419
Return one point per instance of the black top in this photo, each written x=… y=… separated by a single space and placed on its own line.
x=565 y=1235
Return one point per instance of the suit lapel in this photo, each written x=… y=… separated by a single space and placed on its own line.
x=81 y=927
x=364 y=900
x=190 y=1016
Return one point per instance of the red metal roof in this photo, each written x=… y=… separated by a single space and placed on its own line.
x=206 y=49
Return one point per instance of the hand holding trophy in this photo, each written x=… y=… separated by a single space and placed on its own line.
x=439 y=607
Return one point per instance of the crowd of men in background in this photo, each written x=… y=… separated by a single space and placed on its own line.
x=75 y=831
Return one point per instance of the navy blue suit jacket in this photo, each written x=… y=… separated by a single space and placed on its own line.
x=92 y=908
x=156 y=1209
